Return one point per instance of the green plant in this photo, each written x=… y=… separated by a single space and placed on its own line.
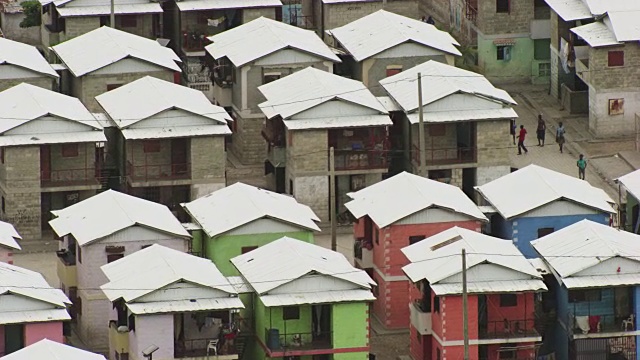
x=31 y=10
x=468 y=60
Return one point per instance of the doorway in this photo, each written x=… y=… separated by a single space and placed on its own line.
x=179 y=157
x=635 y=211
x=469 y=182
x=45 y=163
x=13 y=338
x=321 y=323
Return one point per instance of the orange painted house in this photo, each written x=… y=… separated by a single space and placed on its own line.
x=394 y=214
x=502 y=286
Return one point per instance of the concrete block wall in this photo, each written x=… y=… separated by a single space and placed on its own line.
x=247 y=144
x=377 y=69
x=308 y=152
x=44 y=82
x=494 y=142
x=339 y=14
x=252 y=14
x=313 y=192
x=516 y=21
x=78 y=167
x=78 y=25
x=446 y=13
x=144 y=26
x=208 y=159
x=135 y=154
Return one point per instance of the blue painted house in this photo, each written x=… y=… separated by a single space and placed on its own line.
x=596 y=288
x=534 y=201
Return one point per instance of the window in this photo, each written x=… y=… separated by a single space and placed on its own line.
x=270 y=77
x=592 y=295
x=503 y=52
x=79 y=306
x=69 y=150
x=544 y=69
x=437 y=129
x=129 y=21
x=394 y=69
x=616 y=106
x=151 y=193
x=438 y=354
x=291 y=313
x=151 y=146
x=506 y=353
x=247 y=249
x=1 y=155
x=508 y=300
x=113 y=257
x=503 y=6
x=375 y=290
x=290 y=187
x=415 y=239
x=616 y=58
x=436 y=304
x=79 y=252
x=132 y=323
x=544 y=232
x=377 y=236
x=113 y=86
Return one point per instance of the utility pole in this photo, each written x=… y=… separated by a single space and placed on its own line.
x=423 y=152
x=112 y=18
x=465 y=311
x=332 y=197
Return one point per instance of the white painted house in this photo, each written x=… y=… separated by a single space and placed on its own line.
x=254 y=54
x=177 y=301
x=23 y=63
x=8 y=242
x=31 y=309
x=400 y=43
x=47 y=349
x=166 y=136
x=105 y=58
x=97 y=231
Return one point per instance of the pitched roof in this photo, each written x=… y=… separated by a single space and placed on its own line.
x=570 y=10
x=405 y=194
x=287 y=259
x=150 y=96
x=117 y=211
x=24 y=56
x=191 y=5
x=439 y=81
x=47 y=349
x=585 y=244
x=104 y=46
x=9 y=236
x=534 y=186
x=155 y=267
x=25 y=102
x=20 y=281
x=631 y=182
x=239 y=204
x=439 y=257
x=263 y=36
x=310 y=87
x=388 y=30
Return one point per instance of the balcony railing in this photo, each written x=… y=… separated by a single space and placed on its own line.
x=118 y=337
x=471 y=12
x=445 y=156
x=296 y=341
x=194 y=41
x=66 y=269
x=593 y=324
x=71 y=177
x=360 y=159
x=224 y=348
x=158 y=172
x=508 y=329
x=420 y=317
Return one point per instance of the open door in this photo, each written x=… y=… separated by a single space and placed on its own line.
x=45 y=163
x=321 y=323
x=179 y=157
x=13 y=338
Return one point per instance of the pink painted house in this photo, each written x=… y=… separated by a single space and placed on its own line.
x=31 y=309
x=48 y=349
x=8 y=242
x=100 y=230
x=396 y=213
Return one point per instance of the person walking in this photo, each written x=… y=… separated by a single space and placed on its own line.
x=542 y=129
x=582 y=166
x=512 y=131
x=560 y=136
x=521 y=136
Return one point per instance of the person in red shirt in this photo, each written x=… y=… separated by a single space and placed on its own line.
x=521 y=137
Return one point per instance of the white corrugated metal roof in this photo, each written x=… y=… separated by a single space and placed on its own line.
x=570 y=10
x=33 y=316
x=174 y=132
x=51 y=350
x=150 y=96
x=316 y=297
x=240 y=284
x=239 y=204
x=540 y=265
x=463 y=115
x=596 y=34
x=105 y=46
x=263 y=36
x=583 y=282
x=534 y=186
x=25 y=102
x=631 y=182
x=405 y=194
x=439 y=256
x=586 y=244
x=388 y=103
x=17 y=280
x=388 y=30
x=338 y=122
x=191 y=5
x=117 y=211
x=53 y=138
x=155 y=267
x=24 y=56
x=287 y=259
x=9 y=236
x=625 y=24
x=189 y=305
x=310 y=87
x=488 y=287
x=439 y=81
x=119 y=9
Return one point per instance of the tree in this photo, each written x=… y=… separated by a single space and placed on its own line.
x=31 y=10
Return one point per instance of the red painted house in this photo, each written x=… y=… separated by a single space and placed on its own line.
x=502 y=287
x=394 y=214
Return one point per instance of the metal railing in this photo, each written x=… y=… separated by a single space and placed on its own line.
x=365 y=159
x=203 y=347
x=194 y=41
x=446 y=156
x=470 y=11
x=589 y=324
x=81 y=176
x=276 y=341
x=158 y=171
x=505 y=329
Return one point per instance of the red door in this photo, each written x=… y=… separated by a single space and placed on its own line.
x=45 y=162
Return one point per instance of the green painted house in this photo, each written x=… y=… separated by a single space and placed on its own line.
x=308 y=302
x=239 y=218
x=630 y=213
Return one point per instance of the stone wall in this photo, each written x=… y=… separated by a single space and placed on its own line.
x=12 y=30
x=516 y=21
